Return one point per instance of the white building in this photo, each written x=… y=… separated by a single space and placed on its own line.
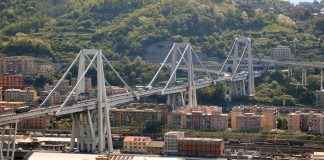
x=171 y=142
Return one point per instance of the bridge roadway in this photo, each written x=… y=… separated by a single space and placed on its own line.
x=288 y=63
x=113 y=100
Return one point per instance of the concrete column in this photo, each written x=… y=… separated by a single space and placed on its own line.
x=321 y=80
x=100 y=85
x=290 y=72
x=244 y=90
x=9 y=141
x=190 y=70
x=14 y=142
x=304 y=76
x=174 y=58
x=81 y=69
x=250 y=68
x=82 y=135
x=73 y=132
x=236 y=56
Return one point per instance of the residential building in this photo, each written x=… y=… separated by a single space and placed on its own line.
x=294 y=121
x=136 y=144
x=203 y=147
x=22 y=65
x=1 y=94
x=317 y=124
x=248 y=122
x=269 y=118
x=42 y=122
x=200 y=118
x=115 y=90
x=63 y=88
x=15 y=81
x=13 y=105
x=17 y=95
x=55 y=98
x=171 y=142
x=4 y=111
x=155 y=147
x=45 y=70
x=129 y=116
x=234 y=113
x=281 y=53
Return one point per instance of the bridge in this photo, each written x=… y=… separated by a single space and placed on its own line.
x=91 y=131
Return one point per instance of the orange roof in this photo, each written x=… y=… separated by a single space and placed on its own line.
x=136 y=139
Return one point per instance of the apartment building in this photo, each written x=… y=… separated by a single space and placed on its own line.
x=17 y=95
x=42 y=122
x=13 y=105
x=200 y=118
x=8 y=81
x=115 y=90
x=317 y=124
x=1 y=97
x=307 y=122
x=268 y=116
x=234 y=113
x=171 y=142
x=155 y=147
x=4 y=111
x=248 y=122
x=136 y=144
x=45 y=70
x=22 y=65
x=129 y=116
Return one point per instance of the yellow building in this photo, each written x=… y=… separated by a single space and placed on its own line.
x=269 y=119
x=13 y=105
x=29 y=96
x=46 y=70
x=134 y=144
x=235 y=112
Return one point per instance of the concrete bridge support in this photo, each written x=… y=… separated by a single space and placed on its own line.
x=321 y=80
x=91 y=130
x=11 y=141
x=234 y=89
x=290 y=72
x=304 y=76
x=176 y=100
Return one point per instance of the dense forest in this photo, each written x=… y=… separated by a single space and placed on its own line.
x=60 y=28
x=127 y=27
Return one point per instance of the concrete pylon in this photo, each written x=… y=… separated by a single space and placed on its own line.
x=91 y=131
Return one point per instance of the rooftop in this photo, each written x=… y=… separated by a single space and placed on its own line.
x=6 y=102
x=173 y=132
x=156 y=144
x=136 y=139
x=202 y=139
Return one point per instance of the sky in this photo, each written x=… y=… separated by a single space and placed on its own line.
x=297 y=1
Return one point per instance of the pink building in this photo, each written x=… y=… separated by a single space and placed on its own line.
x=200 y=118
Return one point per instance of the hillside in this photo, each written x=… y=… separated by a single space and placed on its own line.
x=127 y=27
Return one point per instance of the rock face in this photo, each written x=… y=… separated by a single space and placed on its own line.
x=157 y=52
